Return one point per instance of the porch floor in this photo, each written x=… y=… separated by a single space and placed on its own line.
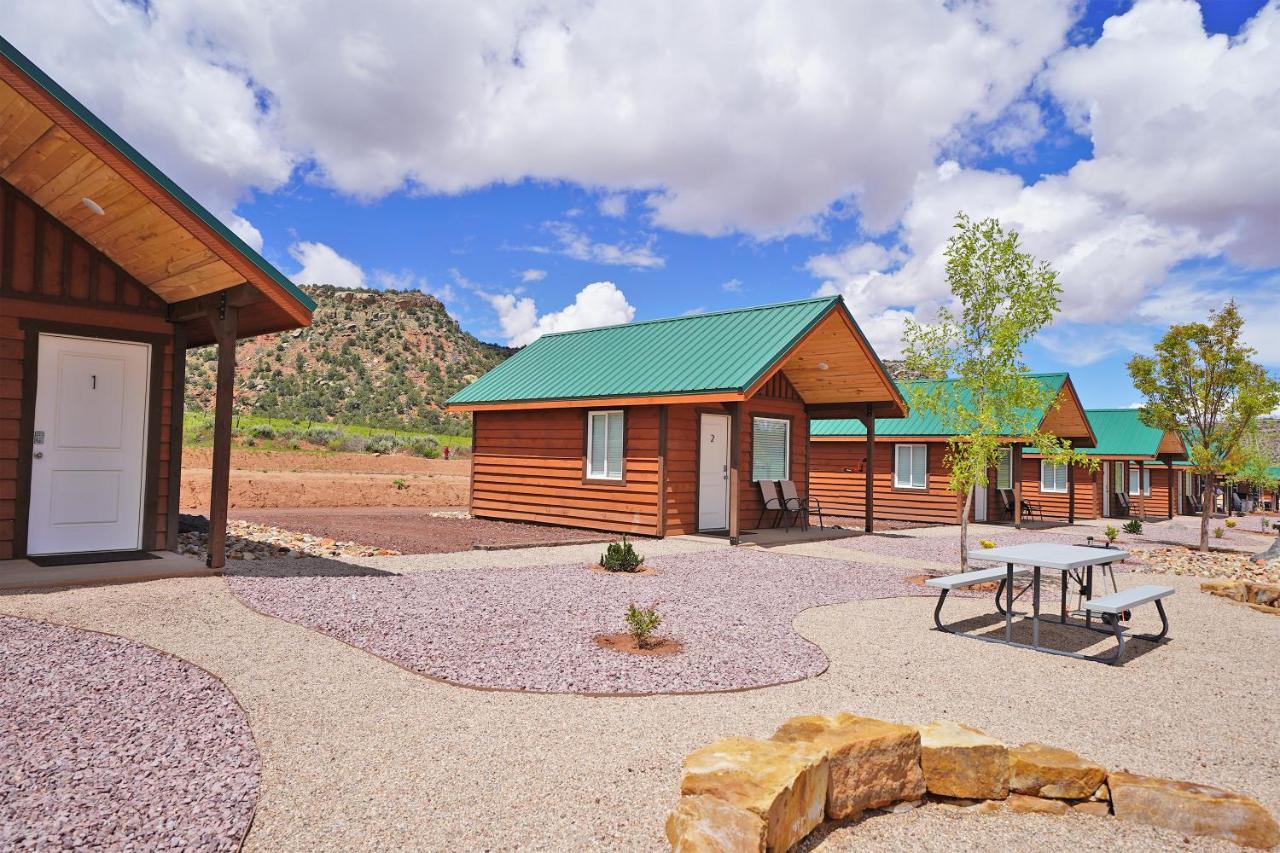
x=24 y=574
x=771 y=537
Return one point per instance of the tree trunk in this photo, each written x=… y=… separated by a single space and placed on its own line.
x=964 y=530
x=1206 y=509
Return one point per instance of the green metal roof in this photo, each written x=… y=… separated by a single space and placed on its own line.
x=721 y=352
x=919 y=423
x=44 y=81
x=1121 y=432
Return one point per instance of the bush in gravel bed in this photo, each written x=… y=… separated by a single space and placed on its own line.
x=1133 y=526
x=621 y=557
x=641 y=623
x=1111 y=533
x=1230 y=522
x=1218 y=533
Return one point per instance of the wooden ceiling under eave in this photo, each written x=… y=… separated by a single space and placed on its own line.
x=48 y=154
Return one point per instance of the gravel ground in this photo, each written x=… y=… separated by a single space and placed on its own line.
x=942 y=549
x=1185 y=530
x=359 y=754
x=110 y=744
x=412 y=531
x=532 y=629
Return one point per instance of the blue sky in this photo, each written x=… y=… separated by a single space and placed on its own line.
x=565 y=164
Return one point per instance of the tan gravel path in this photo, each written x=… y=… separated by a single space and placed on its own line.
x=359 y=754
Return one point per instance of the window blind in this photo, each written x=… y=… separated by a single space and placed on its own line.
x=604 y=445
x=770 y=449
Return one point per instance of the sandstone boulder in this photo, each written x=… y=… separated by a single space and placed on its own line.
x=1192 y=809
x=873 y=763
x=960 y=761
x=1091 y=807
x=1024 y=804
x=1046 y=771
x=785 y=784
x=705 y=824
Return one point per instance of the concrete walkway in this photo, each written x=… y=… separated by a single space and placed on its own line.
x=359 y=754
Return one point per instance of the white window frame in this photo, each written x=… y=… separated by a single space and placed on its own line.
x=898 y=482
x=1146 y=481
x=1119 y=478
x=786 y=448
x=1045 y=467
x=601 y=471
x=1006 y=459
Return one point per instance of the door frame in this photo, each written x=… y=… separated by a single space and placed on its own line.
x=32 y=329
x=697 y=492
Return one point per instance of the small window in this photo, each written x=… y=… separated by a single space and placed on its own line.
x=770 y=449
x=604 y=445
x=1118 y=469
x=910 y=466
x=1004 y=469
x=1053 y=477
x=1146 y=481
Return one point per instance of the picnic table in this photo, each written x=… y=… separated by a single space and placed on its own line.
x=1032 y=559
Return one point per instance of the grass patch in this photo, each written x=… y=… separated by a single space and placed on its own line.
x=257 y=431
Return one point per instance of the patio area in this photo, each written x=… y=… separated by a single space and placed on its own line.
x=359 y=751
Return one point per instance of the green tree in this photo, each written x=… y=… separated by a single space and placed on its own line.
x=1005 y=296
x=1202 y=382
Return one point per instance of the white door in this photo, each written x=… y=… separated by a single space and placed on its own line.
x=713 y=473
x=88 y=453
x=979 y=503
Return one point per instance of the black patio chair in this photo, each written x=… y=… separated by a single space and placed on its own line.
x=770 y=503
x=802 y=507
x=1122 y=504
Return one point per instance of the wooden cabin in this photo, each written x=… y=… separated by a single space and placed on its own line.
x=109 y=272
x=1136 y=476
x=910 y=477
x=666 y=427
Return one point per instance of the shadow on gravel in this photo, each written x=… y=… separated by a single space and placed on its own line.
x=1072 y=637
x=302 y=567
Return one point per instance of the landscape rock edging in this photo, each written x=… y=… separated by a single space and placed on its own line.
x=745 y=794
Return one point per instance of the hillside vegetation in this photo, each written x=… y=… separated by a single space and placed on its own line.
x=386 y=359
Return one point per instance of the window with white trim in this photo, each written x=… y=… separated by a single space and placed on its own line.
x=1004 y=469
x=1053 y=476
x=911 y=466
x=604 y=445
x=1133 y=481
x=770 y=449
x=1117 y=469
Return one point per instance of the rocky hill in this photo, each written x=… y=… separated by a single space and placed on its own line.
x=378 y=358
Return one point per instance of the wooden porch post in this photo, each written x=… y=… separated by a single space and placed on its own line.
x=1168 y=467
x=1015 y=463
x=869 y=478
x=662 y=470
x=177 y=406
x=735 y=463
x=1071 y=494
x=222 y=317
x=1142 y=501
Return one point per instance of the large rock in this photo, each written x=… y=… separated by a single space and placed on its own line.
x=873 y=763
x=1024 y=804
x=960 y=761
x=1192 y=809
x=783 y=783
x=1046 y=771
x=705 y=824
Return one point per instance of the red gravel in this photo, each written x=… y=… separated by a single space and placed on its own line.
x=109 y=744
x=413 y=531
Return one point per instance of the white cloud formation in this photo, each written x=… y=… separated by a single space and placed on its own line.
x=573 y=242
x=614 y=205
x=531 y=275
x=733 y=285
x=787 y=111
x=320 y=264
x=597 y=304
x=1184 y=167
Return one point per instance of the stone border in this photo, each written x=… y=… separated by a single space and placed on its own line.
x=1263 y=597
x=744 y=794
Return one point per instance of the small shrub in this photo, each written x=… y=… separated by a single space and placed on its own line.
x=321 y=435
x=1111 y=533
x=351 y=443
x=381 y=444
x=641 y=623
x=400 y=485
x=1266 y=523
x=1218 y=533
x=1230 y=522
x=621 y=557
x=986 y=543
x=1133 y=526
x=264 y=431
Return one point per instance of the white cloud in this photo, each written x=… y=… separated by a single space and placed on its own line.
x=597 y=304
x=614 y=205
x=573 y=242
x=732 y=286
x=320 y=264
x=531 y=275
x=245 y=230
x=788 y=111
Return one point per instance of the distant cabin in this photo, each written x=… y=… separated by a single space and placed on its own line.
x=911 y=481
x=667 y=426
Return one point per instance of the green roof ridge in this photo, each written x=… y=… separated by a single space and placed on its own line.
x=116 y=141
x=684 y=317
